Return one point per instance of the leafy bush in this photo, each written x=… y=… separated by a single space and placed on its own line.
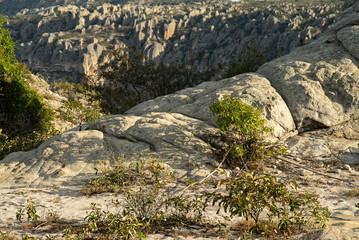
x=24 y=119
x=117 y=175
x=248 y=145
x=82 y=103
x=148 y=202
x=157 y=207
x=251 y=195
x=114 y=225
x=144 y=211
x=148 y=206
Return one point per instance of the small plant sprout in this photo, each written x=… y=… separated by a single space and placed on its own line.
x=29 y=210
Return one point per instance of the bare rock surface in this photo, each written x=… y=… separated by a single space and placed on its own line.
x=64 y=158
x=251 y=88
x=349 y=38
x=318 y=82
x=183 y=142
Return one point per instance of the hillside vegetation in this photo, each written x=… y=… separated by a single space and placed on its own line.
x=24 y=120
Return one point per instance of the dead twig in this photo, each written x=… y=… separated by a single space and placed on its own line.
x=317 y=172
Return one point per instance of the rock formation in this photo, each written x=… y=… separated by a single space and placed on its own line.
x=66 y=42
x=315 y=87
x=312 y=91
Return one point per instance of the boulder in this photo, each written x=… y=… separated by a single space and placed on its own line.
x=309 y=147
x=318 y=82
x=251 y=88
x=183 y=142
x=351 y=157
x=349 y=37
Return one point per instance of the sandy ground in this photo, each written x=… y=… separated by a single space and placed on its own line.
x=68 y=203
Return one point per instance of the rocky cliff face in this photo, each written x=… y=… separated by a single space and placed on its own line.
x=68 y=42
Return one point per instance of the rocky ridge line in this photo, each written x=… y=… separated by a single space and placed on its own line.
x=68 y=42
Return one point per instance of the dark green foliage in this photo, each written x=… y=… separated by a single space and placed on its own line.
x=249 y=196
x=131 y=79
x=24 y=120
x=244 y=125
x=82 y=104
x=248 y=61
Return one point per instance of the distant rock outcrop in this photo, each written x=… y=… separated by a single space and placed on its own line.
x=68 y=42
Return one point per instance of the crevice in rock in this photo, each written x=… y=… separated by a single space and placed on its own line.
x=217 y=141
x=151 y=145
x=108 y=145
x=309 y=124
x=172 y=144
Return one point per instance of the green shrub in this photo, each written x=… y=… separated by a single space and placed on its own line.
x=30 y=210
x=251 y=195
x=107 y=225
x=82 y=104
x=117 y=175
x=244 y=125
x=150 y=205
x=24 y=119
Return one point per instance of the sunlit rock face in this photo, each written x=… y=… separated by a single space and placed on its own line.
x=69 y=41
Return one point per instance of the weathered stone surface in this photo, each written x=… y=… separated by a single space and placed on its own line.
x=348 y=18
x=251 y=88
x=347 y=130
x=351 y=157
x=309 y=147
x=318 y=82
x=183 y=142
x=75 y=154
x=349 y=38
